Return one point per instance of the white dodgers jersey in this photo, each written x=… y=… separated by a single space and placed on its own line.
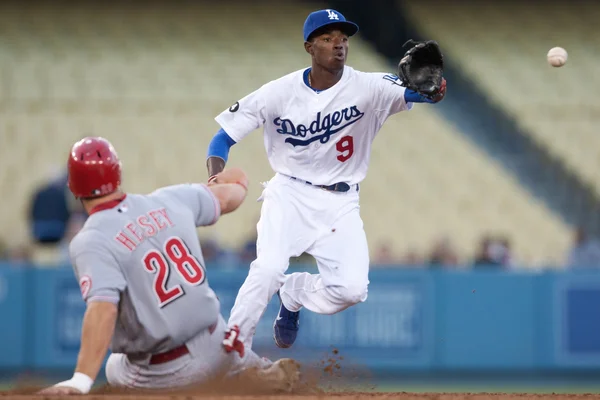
x=322 y=137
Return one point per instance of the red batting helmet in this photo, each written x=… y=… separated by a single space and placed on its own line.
x=94 y=168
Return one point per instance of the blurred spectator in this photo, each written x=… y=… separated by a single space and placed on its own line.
x=384 y=255
x=493 y=252
x=585 y=252
x=49 y=212
x=76 y=222
x=411 y=258
x=247 y=253
x=215 y=255
x=502 y=251
x=443 y=254
x=74 y=205
x=484 y=257
x=3 y=251
x=19 y=255
x=210 y=250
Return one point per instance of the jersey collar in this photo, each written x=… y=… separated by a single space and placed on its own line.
x=305 y=76
x=305 y=79
x=108 y=205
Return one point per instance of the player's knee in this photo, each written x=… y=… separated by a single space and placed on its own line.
x=113 y=370
x=353 y=293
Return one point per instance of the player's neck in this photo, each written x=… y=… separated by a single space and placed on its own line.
x=90 y=204
x=322 y=79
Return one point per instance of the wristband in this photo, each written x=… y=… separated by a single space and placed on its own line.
x=212 y=178
x=410 y=96
x=79 y=381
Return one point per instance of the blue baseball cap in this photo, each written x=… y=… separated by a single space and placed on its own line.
x=321 y=18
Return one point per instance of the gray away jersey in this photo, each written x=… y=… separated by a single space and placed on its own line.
x=143 y=253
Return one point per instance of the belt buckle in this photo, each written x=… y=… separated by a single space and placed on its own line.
x=344 y=185
x=336 y=187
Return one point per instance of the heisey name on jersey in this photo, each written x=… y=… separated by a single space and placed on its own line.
x=145 y=226
x=337 y=119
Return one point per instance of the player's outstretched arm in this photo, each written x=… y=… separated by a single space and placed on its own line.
x=230 y=188
x=96 y=334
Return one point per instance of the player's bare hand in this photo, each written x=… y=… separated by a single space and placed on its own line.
x=231 y=175
x=442 y=93
x=60 y=391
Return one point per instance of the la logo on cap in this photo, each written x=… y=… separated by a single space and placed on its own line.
x=332 y=14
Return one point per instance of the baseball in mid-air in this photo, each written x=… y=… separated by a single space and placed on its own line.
x=557 y=56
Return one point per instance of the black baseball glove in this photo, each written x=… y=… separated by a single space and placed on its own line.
x=422 y=68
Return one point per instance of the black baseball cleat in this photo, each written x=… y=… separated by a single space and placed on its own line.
x=285 y=327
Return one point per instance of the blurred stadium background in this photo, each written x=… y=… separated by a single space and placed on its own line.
x=481 y=212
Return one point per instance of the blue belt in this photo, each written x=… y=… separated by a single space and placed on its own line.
x=336 y=187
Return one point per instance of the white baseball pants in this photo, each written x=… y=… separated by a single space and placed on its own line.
x=296 y=218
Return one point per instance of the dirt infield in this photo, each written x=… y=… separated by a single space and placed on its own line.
x=326 y=380
x=336 y=396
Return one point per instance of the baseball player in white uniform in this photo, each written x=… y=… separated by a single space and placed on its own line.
x=141 y=272
x=319 y=123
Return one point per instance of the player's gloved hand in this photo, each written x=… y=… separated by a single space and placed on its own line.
x=231 y=342
x=59 y=391
x=421 y=70
x=78 y=384
x=410 y=96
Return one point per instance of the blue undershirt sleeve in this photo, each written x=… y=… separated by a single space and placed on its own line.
x=410 y=96
x=219 y=145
